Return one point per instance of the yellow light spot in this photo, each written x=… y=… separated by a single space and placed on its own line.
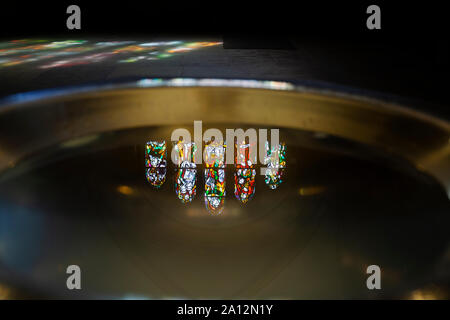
x=422 y=295
x=310 y=191
x=4 y=292
x=126 y=190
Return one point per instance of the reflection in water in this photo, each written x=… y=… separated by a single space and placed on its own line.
x=214 y=157
x=156 y=163
x=214 y=173
x=156 y=176
x=245 y=174
x=215 y=190
x=186 y=173
x=276 y=163
x=214 y=205
x=281 y=244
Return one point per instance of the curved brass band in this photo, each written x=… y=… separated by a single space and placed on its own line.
x=421 y=139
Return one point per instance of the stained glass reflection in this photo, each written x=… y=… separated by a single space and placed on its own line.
x=156 y=163
x=214 y=205
x=245 y=174
x=186 y=172
x=276 y=163
x=214 y=157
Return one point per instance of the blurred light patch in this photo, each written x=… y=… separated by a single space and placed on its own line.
x=78 y=142
x=195 y=212
x=187 y=82
x=422 y=294
x=135 y=297
x=125 y=190
x=5 y=292
x=311 y=191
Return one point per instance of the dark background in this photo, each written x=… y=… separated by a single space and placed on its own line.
x=409 y=56
x=327 y=20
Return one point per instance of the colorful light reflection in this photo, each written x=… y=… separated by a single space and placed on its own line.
x=276 y=163
x=156 y=163
x=186 y=173
x=81 y=52
x=183 y=156
x=214 y=157
x=245 y=174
